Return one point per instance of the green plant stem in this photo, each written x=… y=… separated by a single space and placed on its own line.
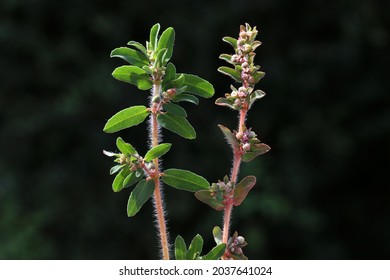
x=237 y=152
x=158 y=201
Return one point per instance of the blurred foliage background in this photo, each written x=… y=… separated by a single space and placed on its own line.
x=321 y=191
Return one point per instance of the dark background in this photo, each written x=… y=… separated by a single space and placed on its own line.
x=322 y=191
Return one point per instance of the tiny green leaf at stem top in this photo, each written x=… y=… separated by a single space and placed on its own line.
x=154 y=36
x=184 y=180
x=166 y=41
x=126 y=118
x=141 y=193
x=131 y=56
x=157 y=151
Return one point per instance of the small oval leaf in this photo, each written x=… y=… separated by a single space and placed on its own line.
x=229 y=136
x=222 y=101
x=153 y=37
x=131 y=56
x=116 y=168
x=195 y=248
x=117 y=184
x=206 y=197
x=178 y=125
x=256 y=150
x=175 y=109
x=216 y=253
x=186 y=98
x=217 y=233
x=131 y=179
x=232 y=73
x=242 y=189
x=139 y=196
x=133 y=75
x=125 y=148
x=198 y=86
x=184 y=180
x=231 y=41
x=180 y=248
x=166 y=41
x=157 y=151
x=126 y=118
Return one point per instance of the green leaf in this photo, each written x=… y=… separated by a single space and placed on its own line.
x=180 y=248
x=198 y=86
x=231 y=41
x=117 y=184
x=138 y=46
x=157 y=151
x=126 y=118
x=124 y=147
x=257 y=94
x=160 y=58
x=154 y=36
x=216 y=253
x=179 y=81
x=186 y=98
x=213 y=201
x=184 y=180
x=175 y=109
x=170 y=73
x=133 y=75
x=176 y=124
x=166 y=42
x=222 y=101
x=227 y=58
x=139 y=196
x=256 y=150
x=131 y=179
x=242 y=189
x=232 y=73
x=131 y=56
x=257 y=76
x=116 y=168
x=230 y=137
x=217 y=233
x=195 y=248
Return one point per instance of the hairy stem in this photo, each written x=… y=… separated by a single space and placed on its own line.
x=158 y=201
x=237 y=152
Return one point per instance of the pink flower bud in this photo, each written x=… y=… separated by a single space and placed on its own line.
x=239 y=135
x=246 y=147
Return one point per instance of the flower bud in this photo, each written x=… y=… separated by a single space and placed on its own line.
x=122 y=159
x=240 y=240
x=246 y=147
x=240 y=42
x=171 y=91
x=239 y=135
x=243 y=35
x=247 y=48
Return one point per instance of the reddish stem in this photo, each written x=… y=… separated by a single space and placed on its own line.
x=158 y=201
x=237 y=152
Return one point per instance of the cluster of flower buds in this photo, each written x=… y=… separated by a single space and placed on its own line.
x=222 y=189
x=246 y=138
x=244 y=57
x=234 y=247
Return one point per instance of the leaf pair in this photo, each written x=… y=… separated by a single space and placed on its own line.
x=217 y=202
x=195 y=249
